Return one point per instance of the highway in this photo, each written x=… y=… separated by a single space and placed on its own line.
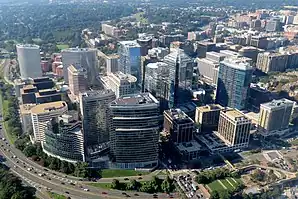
x=55 y=181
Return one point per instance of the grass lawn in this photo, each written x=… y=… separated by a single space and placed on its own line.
x=11 y=138
x=56 y=196
x=110 y=173
x=62 y=46
x=228 y=183
x=101 y=185
x=295 y=142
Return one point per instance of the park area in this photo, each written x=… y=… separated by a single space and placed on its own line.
x=228 y=184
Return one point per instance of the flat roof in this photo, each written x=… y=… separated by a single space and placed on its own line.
x=26 y=108
x=237 y=63
x=188 y=147
x=210 y=107
x=135 y=99
x=278 y=103
x=48 y=107
x=28 y=46
x=234 y=114
x=78 y=49
x=178 y=115
x=131 y=44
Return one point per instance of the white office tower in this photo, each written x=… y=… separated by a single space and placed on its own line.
x=94 y=106
x=134 y=131
x=120 y=83
x=29 y=60
x=130 y=58
x=85 y=57
x=43 y=113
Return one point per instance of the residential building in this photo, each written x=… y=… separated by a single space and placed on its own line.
x=135 y=131
x=208 y=67
x=275 y=116
x=203 y=47
x=207 y=117
x=234 y=79
x=86 y=58
x=178 y=125
x=256 y=97
x=120 y=83
x=234 y=128
x=42 y=113
x=269 y=62
x=64 y=139
x=29 y=60
x=180 y=77
x=77 y=79
x=130 y=58
x=112 y=63
x=94 y=106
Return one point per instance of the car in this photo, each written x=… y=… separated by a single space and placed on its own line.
x=24 y=166
x=45 y=170
x=104 y=193
x=66 y=192
x=126 y=179
x=86 y=189
x=123 y=193
x=136 y=194
x=72 y=184
x=49 y=179
x=140 y=178
x=17 y=161
x=54 y=174
x=62 y=183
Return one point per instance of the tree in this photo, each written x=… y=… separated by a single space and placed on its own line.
x=224 y=194
x=214 y=194
x=29 y=150
x=81 y=170
x=133 y=185
x=115 y=184
x=167 y=185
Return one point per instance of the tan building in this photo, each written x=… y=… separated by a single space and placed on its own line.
x=42 y=113
x=120 y=83
x=234 y=128
x=268 y=62
x=275 y=116
x=77 y=79
x=112 y=63
x=207 y=116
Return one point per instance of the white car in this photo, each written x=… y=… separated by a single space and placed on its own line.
x=86 y=189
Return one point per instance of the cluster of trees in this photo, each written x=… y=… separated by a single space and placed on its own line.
x=11 y=113
x=272 y=193
x=207 y=177
x=35 y=152
x=153 y=186
x=261 y=176
x=11 y=187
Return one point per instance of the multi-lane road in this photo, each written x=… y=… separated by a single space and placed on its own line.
x=46 y=180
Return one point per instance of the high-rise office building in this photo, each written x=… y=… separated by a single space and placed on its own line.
x=180 y=76
x=96 y=116
x=42 y=113
x=203 y=47
x=77 y=79
x=64 y=139
x=157 y=82
x=85 y=57
x=145 y=42
x=135 y=131
x=120 y=83
x=272 y=25
x=234 y=128
x=130 y=58
x=178 y=125
x=234 y=79
x=29 y=60
x=275 y=116
x=207 y=117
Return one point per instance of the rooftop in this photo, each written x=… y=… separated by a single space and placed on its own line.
x=277 y=103
x=156 y=65
x=78 y=49
x=76 y=68
x=237 y=63
x=130 y=44
x=135 y=99
x=178 y=115
x=234 y=114
x=188 y=147
x=48 y=107
x=96 y=93
x=28 y=46
x=210 y=107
